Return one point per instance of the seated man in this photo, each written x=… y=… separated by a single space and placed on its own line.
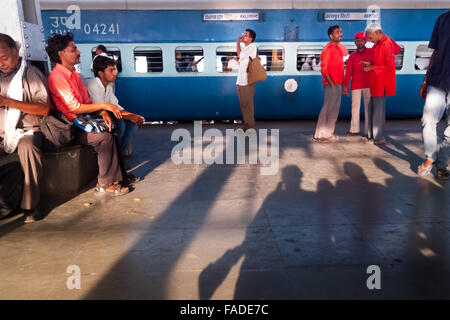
x=71 y=98
x=100 y=89
x=24 y=98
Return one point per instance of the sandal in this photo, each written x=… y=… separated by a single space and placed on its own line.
x=379 y=142
x=131 y=178
x=442 y=174
x=423 y=170
x=321 y=140
x=115 y=189
x=366 y=140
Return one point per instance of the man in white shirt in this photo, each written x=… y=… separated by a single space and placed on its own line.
x=101 y=89
x=245 y=91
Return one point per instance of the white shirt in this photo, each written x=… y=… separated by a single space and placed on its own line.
x=98 y=93
x=248 y=51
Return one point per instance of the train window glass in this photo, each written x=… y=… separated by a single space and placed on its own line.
x=423 y=56
x=399 y=59
x=189 y=59
x=114 y=53
x=272 y=58
x=308 y=57
x=148 y=59
x=226 y=59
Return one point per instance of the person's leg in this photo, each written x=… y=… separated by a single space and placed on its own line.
x=107 y=157
x=356 y=104
x=444 y=150
x=30 y=155
x=366 y=95
x=120 y=129
x=432 y=113
x=378 y=118
x=246 y=97
x=370 y=119
x=328 y=115
x=127 y=137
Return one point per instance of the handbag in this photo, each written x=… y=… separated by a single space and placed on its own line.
x=57 y=130
x=255 y=71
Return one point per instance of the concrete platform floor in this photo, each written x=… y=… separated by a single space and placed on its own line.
x=196 y=231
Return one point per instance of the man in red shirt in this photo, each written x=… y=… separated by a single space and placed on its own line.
x=71 y=97
x=360 y=82
x=382 y=81
x=332 y=63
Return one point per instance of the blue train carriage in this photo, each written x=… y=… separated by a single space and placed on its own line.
x=147 y=37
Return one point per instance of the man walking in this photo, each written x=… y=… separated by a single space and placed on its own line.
x=436 y=89
x=332 y=64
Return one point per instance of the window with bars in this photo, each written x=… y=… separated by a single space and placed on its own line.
x=423 y=56
x=148 y=59
x=226 y=59
x=308 y=57
x=399 y=59
x=114 y=53
x=189 y=59
x=272 y=58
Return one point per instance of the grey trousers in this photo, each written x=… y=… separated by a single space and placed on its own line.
x=246 y=96
x=329 y=113
x=377 y=117
x=109 y=170
x=30 y=155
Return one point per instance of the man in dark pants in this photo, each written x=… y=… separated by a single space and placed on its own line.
x=436 y=89
x=71 y=97
x=24 y=98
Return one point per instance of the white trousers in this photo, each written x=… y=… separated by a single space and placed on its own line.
x=356 y=104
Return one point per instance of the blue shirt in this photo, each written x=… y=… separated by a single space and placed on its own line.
x=439 y=75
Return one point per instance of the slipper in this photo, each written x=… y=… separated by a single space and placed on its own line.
x=321 y=140
x=366 y=140
x=118 y=190
x=424 y=171
x=442 y=174
x=379 y=142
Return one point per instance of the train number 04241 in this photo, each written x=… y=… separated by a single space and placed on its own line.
x=101 y=28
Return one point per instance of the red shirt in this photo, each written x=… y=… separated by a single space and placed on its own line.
x=354 y=69
x=67 y=90
x=382 y=77
x=332 y=62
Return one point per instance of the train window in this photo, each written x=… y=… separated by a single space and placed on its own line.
x=423 y=56
x=114 y=53
x=272 y=58
x=189 y=59
x=399 y=59
x=308 y=57
x=226 y=59
x=148 y=59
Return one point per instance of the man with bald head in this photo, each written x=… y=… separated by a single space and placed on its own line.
x=24 y=99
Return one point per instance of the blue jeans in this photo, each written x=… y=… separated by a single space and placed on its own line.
x=125 y=131
x=436 y=103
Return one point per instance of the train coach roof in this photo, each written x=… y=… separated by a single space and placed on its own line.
x=239 y=4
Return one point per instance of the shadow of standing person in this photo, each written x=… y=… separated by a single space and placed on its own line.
x=258 y=278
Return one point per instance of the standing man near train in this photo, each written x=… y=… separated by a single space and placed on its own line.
x=245 y=91
x=382 y=81
x=436 y=89
x=360 y=83
x=332 y=63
